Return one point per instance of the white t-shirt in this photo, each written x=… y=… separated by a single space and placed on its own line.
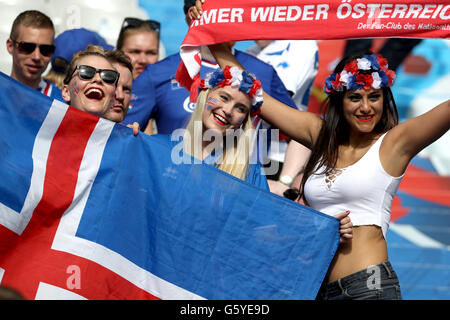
x=297 y=63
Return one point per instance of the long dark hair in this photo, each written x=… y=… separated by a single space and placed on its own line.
x=335 y=129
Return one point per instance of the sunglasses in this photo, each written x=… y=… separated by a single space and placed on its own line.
x=136 y=23
x=29 y=47
x=87 y=73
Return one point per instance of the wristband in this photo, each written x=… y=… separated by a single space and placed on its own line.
x=286 y=180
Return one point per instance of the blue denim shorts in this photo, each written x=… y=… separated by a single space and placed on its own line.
x=378 y=282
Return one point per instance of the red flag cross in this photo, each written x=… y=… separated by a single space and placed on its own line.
x=28 y=259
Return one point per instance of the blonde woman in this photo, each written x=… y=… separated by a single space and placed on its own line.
x=219 y=132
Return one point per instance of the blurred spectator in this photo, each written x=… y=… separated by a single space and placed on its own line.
x=296 y=62
x=395 y=50
x=31 y=46
x=139 y=39
x=67 y=44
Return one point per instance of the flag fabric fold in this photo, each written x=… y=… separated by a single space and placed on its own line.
x=89 y=211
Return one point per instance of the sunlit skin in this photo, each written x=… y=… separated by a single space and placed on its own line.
x=225 y=108
x=122 y=95
x=142 y=48
x=94 y=95
x=28 y=68
x=363 y=110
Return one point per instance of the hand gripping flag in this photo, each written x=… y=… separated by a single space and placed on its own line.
x=237 y=20
x=87 y=210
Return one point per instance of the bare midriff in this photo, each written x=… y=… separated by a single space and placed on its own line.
x=365 y=249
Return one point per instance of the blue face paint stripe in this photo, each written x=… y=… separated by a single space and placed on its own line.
x=211 y=103
x=75 y=88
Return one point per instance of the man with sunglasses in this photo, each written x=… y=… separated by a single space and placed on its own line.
x=139 y=40
x=31 y=46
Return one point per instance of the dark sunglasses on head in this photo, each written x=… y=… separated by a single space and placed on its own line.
x=60 y=64
x=29 y=47
x=136 y=23
x=87 y=73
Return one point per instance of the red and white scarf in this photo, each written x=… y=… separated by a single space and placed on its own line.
x=239 y=20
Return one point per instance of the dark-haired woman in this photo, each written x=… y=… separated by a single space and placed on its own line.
x=359 y=156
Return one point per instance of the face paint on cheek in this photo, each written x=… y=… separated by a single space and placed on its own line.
x=75 y=89
x=212 y=102
x=240 y=120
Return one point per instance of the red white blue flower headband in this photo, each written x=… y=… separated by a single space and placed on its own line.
x=370 y=71
x=235 y=77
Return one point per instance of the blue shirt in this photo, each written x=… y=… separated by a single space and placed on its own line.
x=255 y=175
x=50 y=89
x=157 y=94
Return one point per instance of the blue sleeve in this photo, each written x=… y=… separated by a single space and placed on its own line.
x=279 y=91
x=142 y=102
x=57 y=94
x=257 y=177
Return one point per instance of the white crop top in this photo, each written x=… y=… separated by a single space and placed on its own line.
x=364 y=188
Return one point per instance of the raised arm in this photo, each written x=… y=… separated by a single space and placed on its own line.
x=407 y=139
x=301 y=126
